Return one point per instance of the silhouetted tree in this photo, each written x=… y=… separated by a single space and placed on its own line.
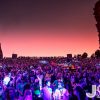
x=1 y=53
x=97 y=53
x=79 y=56
x=84 y=55
x=97 y=17
x=93 y=55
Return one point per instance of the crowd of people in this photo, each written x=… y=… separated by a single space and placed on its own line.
x=48 y=78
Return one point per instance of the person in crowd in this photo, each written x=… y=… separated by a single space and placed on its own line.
x=59 y=79
x=20 y=89
x=60 y=93
x=11 y=91
x=1 y=91
x=38 y=84
x=27 y=92
x=24 y=77
x=47 y=91
x=79 y=91
x=72 y=95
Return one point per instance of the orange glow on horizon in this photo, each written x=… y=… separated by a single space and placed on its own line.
x=47 y=44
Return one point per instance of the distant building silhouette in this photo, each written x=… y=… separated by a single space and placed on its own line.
x=97 y=17
x=14 y=56
x=1 y=53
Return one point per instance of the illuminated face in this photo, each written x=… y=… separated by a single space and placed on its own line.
x=48 y=83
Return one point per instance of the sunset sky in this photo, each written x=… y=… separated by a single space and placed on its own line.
x=47 y=27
